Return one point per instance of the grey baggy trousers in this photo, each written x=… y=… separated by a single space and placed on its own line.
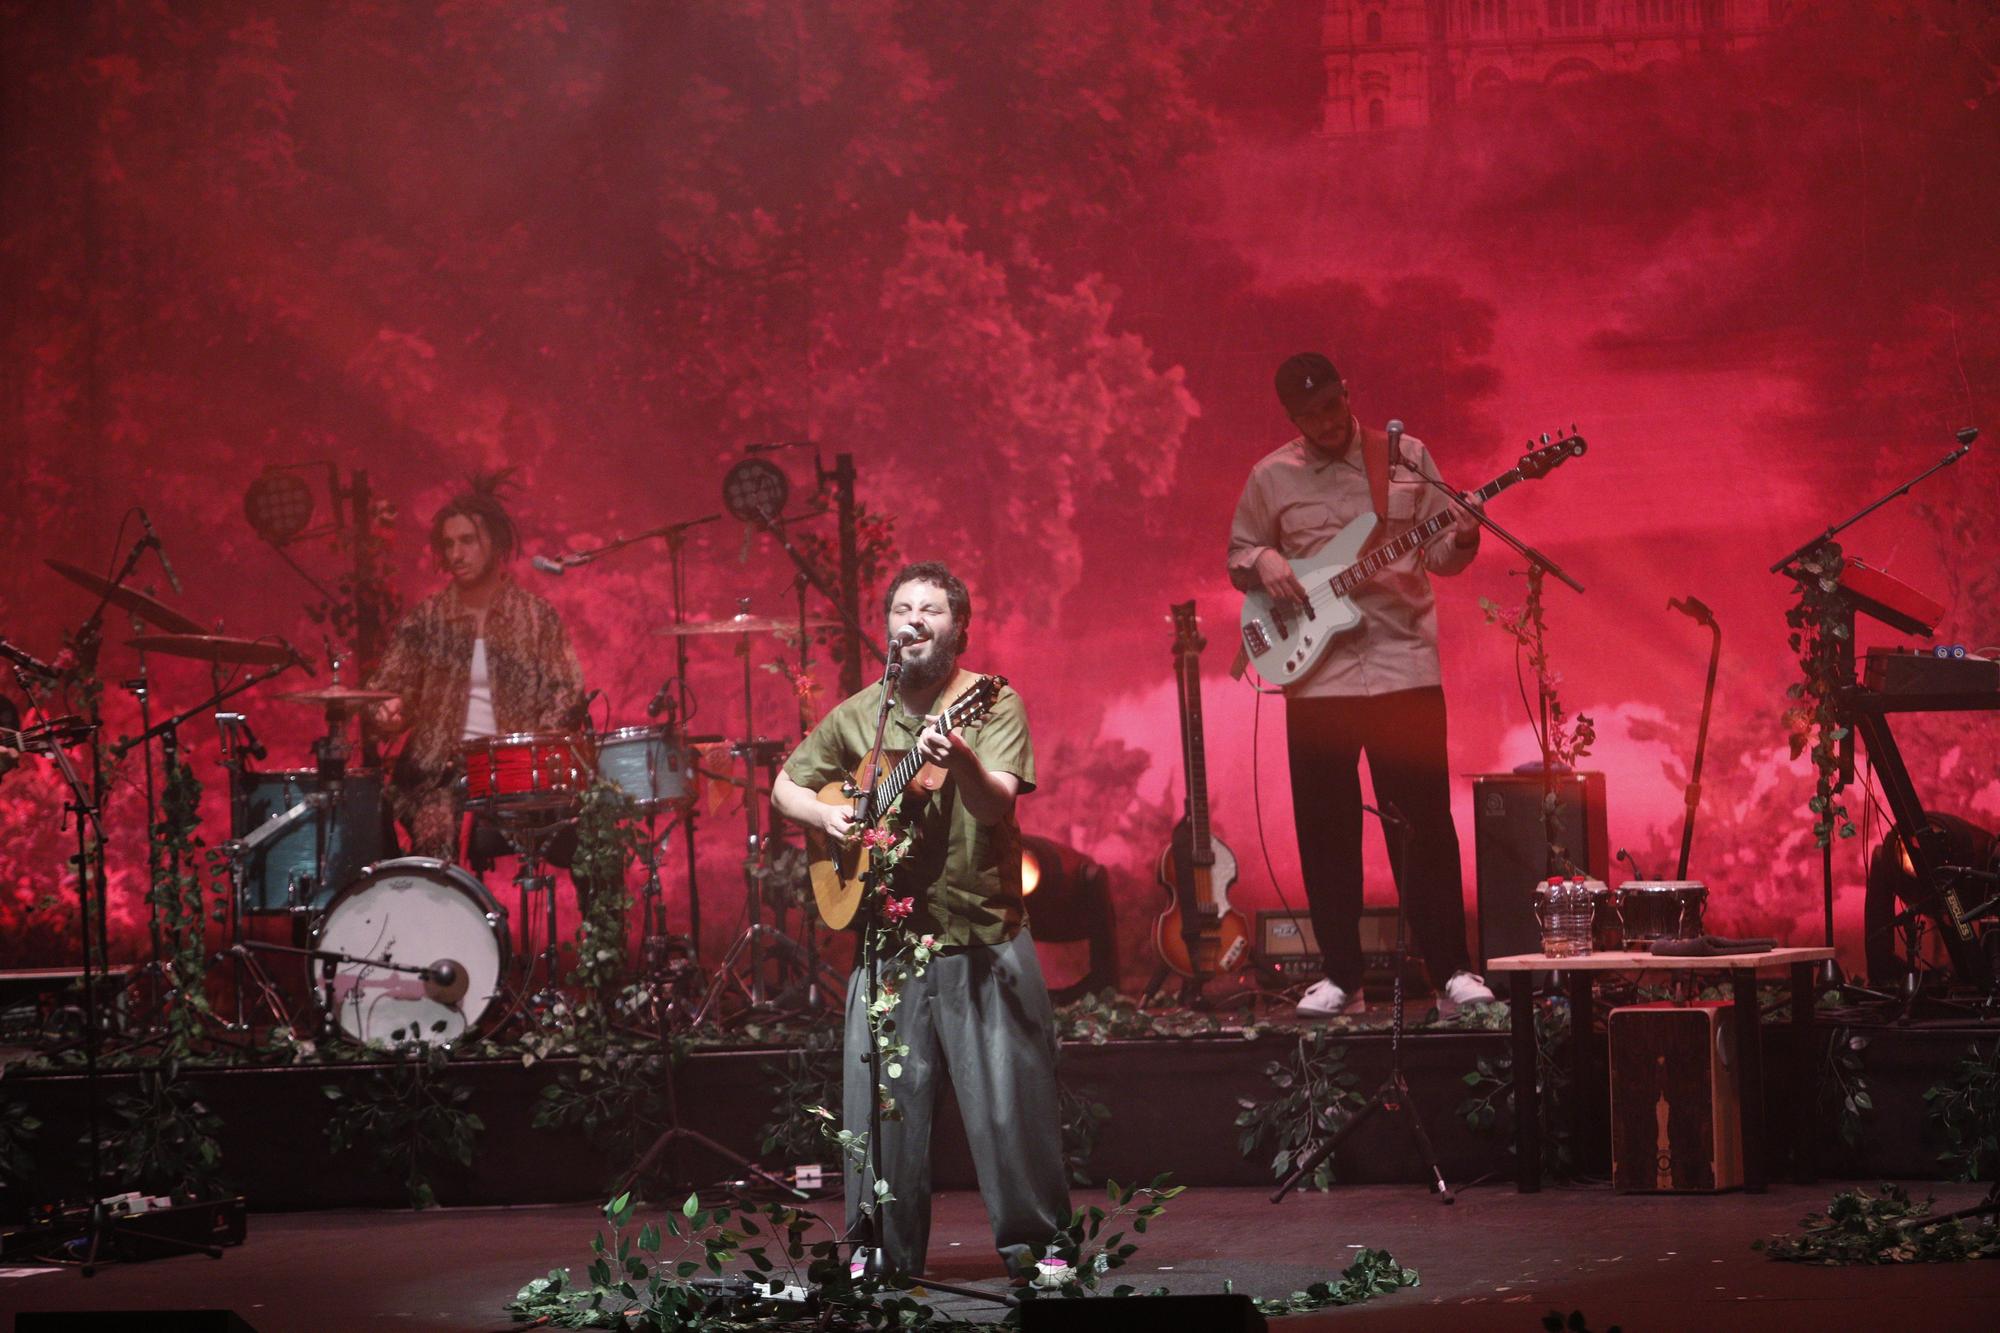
x=981 y=1017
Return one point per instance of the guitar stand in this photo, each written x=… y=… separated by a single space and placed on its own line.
x=1394 y=1094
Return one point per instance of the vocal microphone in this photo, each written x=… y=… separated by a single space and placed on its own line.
x=1692 y=607
x=27 y=661
x=1395 y=432
x=1965 y=437
x=908 y=635
x=160 y=550
x=660 y=700
x=548 y=566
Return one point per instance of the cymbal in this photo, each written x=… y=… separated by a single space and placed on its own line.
x=216 y=648
x=153 y=612
x=744 y=625
x=334 y=695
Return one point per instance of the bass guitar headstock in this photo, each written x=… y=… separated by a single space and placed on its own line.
x=1188 y=638
x=1539 y=462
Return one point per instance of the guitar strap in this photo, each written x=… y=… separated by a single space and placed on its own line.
x=1375 y=459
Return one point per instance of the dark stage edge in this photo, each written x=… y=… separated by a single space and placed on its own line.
x=1172 y=1101
x=1496 y=1260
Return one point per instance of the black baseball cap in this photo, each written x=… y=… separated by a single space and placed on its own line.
x=1302 y=376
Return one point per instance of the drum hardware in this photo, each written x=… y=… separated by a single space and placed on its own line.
x=220 y=649
x=745 y=965
x=113 y=592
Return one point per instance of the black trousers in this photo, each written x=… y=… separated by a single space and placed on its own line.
x=1403 y=735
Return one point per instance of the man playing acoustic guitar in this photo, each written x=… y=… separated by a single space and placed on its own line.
x=1378 y=688
x=980 y=1009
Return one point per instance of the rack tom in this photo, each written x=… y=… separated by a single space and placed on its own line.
x=651 y=765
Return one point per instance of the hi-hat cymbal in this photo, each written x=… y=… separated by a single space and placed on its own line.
x=744 y=625
x=217 y=648
x=152 y=611
x=335 y=695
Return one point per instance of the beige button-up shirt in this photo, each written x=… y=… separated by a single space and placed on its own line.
x=1298 y=496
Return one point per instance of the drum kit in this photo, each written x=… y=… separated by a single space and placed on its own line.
x=407 y=948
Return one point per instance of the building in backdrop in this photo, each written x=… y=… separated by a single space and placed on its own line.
x=1397 y=64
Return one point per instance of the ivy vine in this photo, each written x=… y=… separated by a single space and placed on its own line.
x=1568 y=739
x=1490 y=1107
x=409 y=1118
x=163 y=1138
x=1819 y=626
x=1885 y=1227
x=1315 y=1096
x=1965 y=1112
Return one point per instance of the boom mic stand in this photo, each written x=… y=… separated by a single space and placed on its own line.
x=1394 y=1094
x=866 y=1233
x=1921 y=853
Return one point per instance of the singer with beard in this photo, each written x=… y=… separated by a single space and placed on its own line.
x=980 y=1011
x=1377 y=691
x=481 y=657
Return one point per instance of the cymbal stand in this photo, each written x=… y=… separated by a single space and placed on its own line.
x=84 y=806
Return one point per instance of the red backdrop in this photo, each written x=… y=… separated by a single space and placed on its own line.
x=1032 y=265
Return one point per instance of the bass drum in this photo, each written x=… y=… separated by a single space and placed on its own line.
x=413 y=911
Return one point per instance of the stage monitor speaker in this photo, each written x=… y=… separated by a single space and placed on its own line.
x=1510 y=850
x=131 y=1321
x=1143 y=1314
x=1676 y=1120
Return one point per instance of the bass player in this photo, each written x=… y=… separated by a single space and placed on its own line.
x=1377 y=691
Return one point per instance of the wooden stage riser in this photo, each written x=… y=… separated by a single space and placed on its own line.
x=1173 y=1107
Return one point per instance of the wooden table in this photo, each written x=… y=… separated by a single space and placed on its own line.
x=1742 y=969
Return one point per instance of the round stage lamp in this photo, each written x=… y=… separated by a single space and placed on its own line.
x=755 y=491
x=279 y=506
x=1068 y=897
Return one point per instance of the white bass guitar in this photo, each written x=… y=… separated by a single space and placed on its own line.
x=1285 y=640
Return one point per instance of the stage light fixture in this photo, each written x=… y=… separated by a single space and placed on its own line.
x=755 y=490
x=279 y=505
x=1069 y=898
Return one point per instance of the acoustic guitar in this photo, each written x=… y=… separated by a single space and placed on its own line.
x=1200 y=934
x=839 y=873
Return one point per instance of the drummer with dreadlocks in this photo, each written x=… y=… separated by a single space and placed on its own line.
x=482 y=657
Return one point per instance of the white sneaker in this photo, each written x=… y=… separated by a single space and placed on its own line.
x=1323 y=999
x=1463 y=988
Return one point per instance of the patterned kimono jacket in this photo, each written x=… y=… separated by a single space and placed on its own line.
x=537 y=686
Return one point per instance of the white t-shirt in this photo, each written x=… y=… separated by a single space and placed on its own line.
x=479 y=719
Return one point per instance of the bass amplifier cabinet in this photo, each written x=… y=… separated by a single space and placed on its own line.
x=1676 y=1118
x=1510 y=850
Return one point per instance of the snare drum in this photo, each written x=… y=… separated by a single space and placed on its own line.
x=528 y=772
x=413 y=911
x=649 y=764
x=1660 y=909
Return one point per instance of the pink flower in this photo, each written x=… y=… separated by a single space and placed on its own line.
x=896 y=910
x=878 y=837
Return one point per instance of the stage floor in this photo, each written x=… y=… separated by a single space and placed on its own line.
x=1496 y=1260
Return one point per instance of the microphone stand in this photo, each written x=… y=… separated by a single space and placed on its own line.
x=866 y=1234
x=1537 y=565
x=1394 y=1094
x=675 y=535
x=1920 y=855
x=1692 y=797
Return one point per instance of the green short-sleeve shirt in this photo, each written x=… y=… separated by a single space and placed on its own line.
x=965 y=876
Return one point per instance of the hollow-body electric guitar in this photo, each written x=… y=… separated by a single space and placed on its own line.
x=839 y=872
x=1285 y=640
x=1200 y=934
